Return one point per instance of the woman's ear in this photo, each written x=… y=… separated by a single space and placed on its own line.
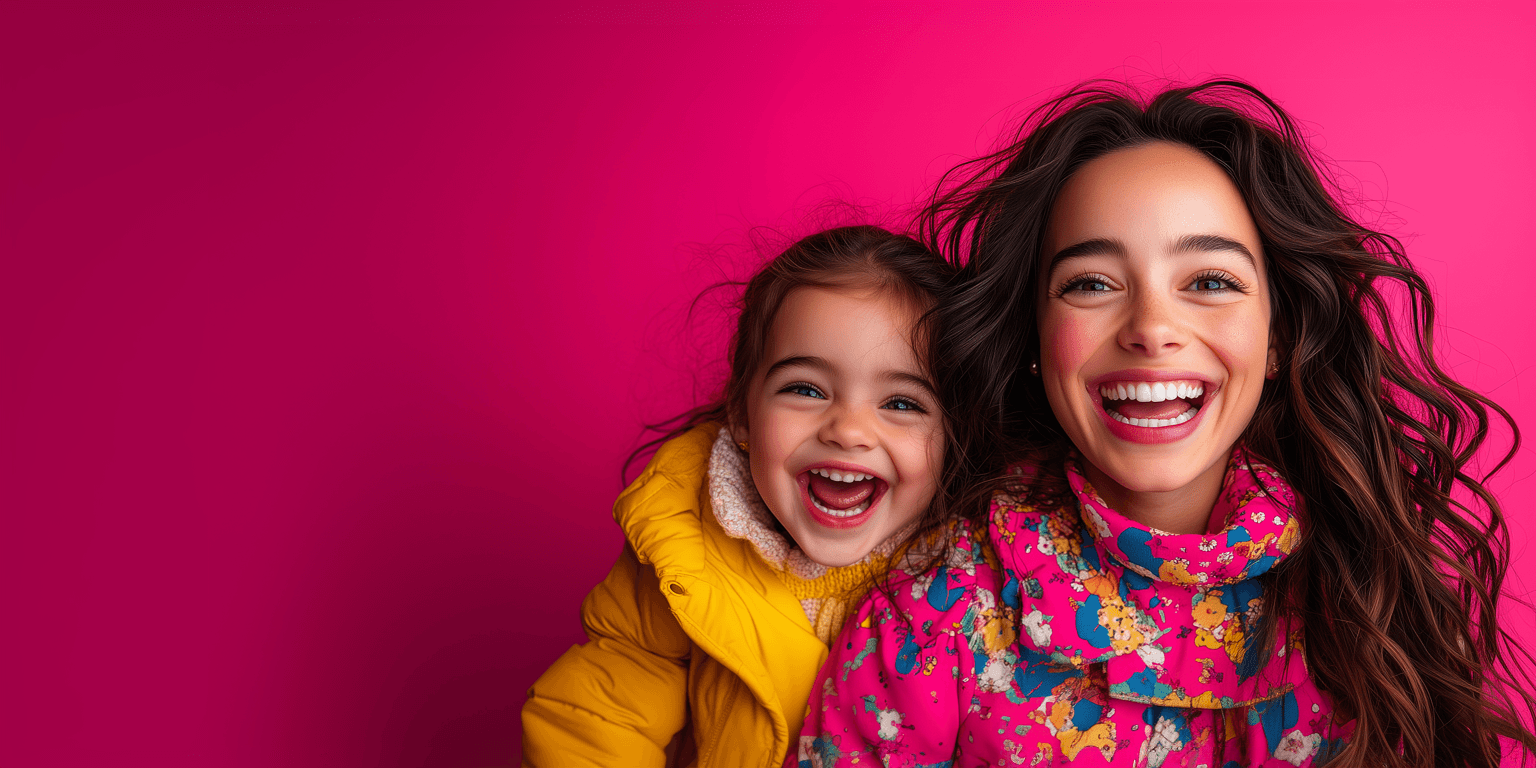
x=1272 y=364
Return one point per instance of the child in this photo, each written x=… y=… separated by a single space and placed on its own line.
x=1233 y=540
x=749 y=536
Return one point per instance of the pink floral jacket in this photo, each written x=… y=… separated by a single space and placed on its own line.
x=1085 y=639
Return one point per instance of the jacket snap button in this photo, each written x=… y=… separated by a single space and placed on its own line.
x=677 y=589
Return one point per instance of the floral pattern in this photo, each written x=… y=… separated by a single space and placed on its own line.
x=1075 y=635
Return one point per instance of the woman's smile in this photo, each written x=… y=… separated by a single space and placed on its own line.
x=1148 y=406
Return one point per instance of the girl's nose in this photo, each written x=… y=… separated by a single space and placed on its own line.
x=848 y=428
x=1153 y=326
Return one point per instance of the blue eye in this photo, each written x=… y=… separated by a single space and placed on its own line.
x=905 y=405
x=1216 y=282
x=1085 y=284
x=804 y=390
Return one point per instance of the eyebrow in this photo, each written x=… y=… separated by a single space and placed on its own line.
x=1108 y=246
x=820 y=363
x=1098 y=246
x=913 y=379
x=1214 y=244
x=797 y=361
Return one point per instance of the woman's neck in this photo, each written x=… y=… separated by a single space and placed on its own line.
x=1181 y=510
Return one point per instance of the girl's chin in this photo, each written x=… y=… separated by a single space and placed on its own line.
x=833 y=555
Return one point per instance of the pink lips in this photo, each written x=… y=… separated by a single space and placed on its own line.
x=1150 y=435
x=828 y=521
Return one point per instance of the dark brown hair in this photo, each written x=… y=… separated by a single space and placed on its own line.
x=1396 y=582
x=862 y=256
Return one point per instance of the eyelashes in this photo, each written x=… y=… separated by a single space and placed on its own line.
x=802 y=389
x=906 y=404
x=1217 y=276
x=1079 y=282
x=898 y=403
x=1211 y=281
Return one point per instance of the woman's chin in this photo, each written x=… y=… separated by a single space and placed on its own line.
x=1153 y=471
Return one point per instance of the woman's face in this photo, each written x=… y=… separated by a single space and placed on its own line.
x=1154 y=324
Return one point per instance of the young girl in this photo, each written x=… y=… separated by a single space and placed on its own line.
x=750 y=535
x=1232 y=539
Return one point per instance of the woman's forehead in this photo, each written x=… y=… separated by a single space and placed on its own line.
x=1159 y=196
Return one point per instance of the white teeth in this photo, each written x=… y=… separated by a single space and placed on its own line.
x=842 y=477
x=1151 y=392
x=850 y=512
x=1179 y=419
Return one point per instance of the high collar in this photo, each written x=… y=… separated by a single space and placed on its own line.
x=1253 y=514
x=1172 y=618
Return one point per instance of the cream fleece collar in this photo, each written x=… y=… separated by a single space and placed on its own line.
x=743 y=515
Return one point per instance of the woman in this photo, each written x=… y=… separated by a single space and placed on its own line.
x=1229 y=535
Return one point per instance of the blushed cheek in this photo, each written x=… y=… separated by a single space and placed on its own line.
x=1242 y=343
x=1245 y=341
x=1067 y=341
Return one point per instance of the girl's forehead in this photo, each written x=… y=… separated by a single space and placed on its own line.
x=826 y=310
x=849 y=324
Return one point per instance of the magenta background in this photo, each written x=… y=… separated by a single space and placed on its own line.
x=325 y=328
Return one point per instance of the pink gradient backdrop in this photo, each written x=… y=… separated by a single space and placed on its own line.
x=326 y=327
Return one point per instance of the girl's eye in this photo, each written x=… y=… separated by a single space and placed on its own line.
x=804 y=390
x=905 y=404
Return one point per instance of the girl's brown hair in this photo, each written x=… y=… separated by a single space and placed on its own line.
x=1397 y=583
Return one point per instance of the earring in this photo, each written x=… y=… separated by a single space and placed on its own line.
x=742 y=444
x=1274 y=370
x=1034 y=367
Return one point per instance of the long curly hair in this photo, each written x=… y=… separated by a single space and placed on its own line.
x=1397 y=582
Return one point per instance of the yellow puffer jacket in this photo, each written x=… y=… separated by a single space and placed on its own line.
x=691 y=628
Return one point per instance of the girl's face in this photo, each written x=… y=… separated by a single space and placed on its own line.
x=844 y=434
x=1154 y=326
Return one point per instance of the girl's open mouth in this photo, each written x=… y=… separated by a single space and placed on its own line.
x=1152 y=403
x=839 y=498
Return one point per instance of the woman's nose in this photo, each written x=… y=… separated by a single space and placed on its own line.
x=848 y=428
x=1152 y=327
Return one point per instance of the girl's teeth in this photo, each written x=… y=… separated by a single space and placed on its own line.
x=849 y=512
x=842 y=477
